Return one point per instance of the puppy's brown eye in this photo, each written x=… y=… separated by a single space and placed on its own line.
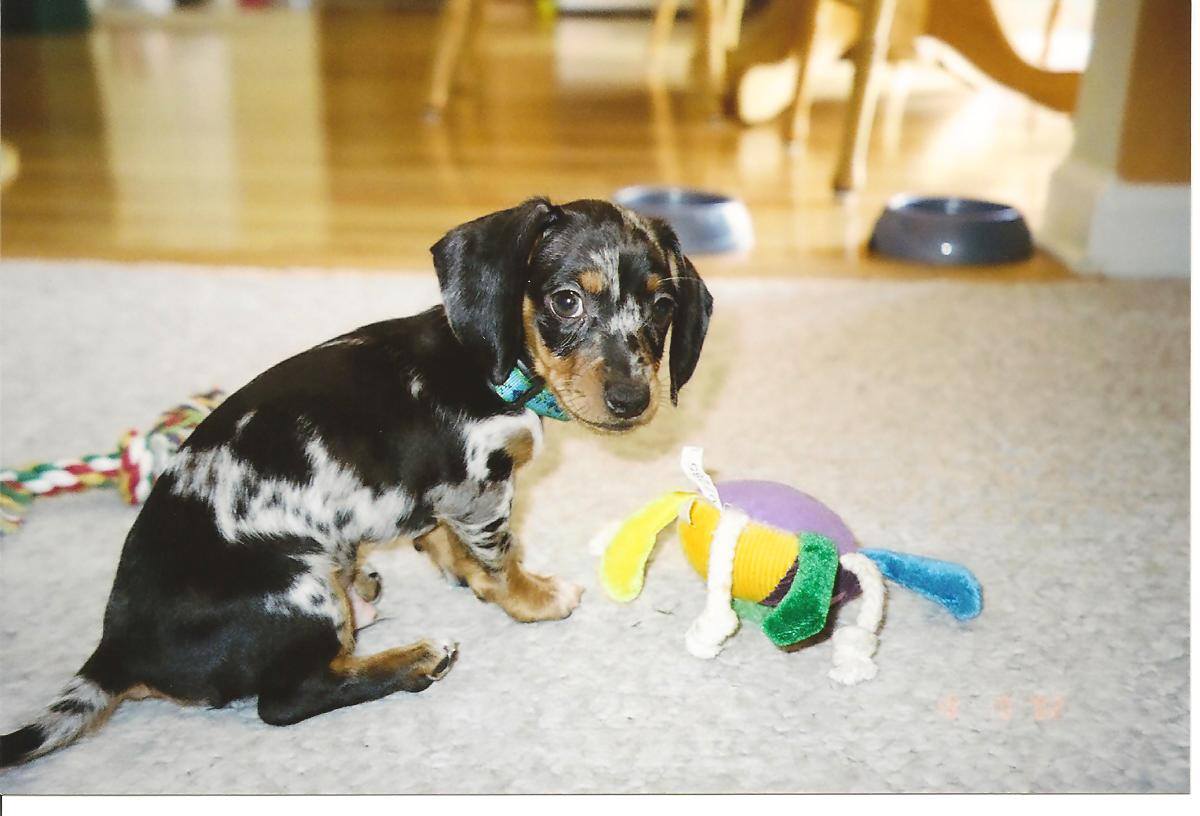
x=664 y=307
x=566 y=303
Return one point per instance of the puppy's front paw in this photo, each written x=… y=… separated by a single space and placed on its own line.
x=568 y=593
x=540 y=597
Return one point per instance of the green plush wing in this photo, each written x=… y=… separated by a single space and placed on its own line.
x=803 y=611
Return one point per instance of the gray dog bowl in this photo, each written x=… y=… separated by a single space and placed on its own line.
x=706 y=223
x=946 y=231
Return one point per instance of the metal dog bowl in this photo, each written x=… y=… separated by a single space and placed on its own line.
x=706 y=223
x=939 y=230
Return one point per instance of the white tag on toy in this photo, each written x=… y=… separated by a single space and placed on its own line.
x=692 y=462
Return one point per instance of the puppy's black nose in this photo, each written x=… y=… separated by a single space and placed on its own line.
x=627 y=398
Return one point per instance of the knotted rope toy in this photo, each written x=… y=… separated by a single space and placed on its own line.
x=780 y=559
x=138 y=460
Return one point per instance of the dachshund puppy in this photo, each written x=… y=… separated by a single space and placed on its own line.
x=243 y=574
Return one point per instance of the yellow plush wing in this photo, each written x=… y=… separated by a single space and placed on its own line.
x=623 y=567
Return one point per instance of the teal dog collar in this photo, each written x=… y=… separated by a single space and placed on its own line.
x=530 y=392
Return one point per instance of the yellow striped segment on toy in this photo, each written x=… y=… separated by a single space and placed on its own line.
x=764 y=554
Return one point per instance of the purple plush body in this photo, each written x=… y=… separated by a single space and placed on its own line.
x=787 y=508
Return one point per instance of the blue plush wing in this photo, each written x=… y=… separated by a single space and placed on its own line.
x=951 y=585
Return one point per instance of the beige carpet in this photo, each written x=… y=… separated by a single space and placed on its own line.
x=1037 y=433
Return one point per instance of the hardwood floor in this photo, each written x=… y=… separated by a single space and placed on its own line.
x=292 y=138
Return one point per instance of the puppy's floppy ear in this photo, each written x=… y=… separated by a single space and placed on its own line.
x=483 y=267
x=693 y=307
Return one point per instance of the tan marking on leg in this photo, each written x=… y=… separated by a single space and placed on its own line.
x=520 y=449
x=449 y=555
x=524 y=595
x=345 y=633
x=422 y=659
x=365 y=549
x=141 y=691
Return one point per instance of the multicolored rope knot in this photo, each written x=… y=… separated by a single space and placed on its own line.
x=132 y=468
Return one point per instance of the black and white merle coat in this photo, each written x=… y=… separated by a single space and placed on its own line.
x=243 y=574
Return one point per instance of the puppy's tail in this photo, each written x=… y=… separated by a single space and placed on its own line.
x=83 y=704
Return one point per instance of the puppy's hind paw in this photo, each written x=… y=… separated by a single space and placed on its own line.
x=368 y=583
x=445 y=652
x=432 y=661
x=424 y=663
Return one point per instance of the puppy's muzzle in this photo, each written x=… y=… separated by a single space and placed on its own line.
x=626 y=398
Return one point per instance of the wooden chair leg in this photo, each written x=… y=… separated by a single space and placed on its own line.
x=448 y=52
x=974 y=31
x=666 y=143
x=764 y=70
x=875 y=28
x=732 y=22
x=795 y=122
x=468 y=73
x=710 y=44
x=660 y=35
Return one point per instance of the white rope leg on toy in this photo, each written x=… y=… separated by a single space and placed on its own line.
x=718 y=621
x=853 y=645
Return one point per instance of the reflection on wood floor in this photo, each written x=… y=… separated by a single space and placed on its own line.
x=295 y=138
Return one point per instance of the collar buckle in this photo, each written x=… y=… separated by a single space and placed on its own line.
x=525 y=389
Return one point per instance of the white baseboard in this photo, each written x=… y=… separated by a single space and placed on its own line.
x=1098 y=224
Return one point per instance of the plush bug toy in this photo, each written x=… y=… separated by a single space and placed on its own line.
x=781 y=559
